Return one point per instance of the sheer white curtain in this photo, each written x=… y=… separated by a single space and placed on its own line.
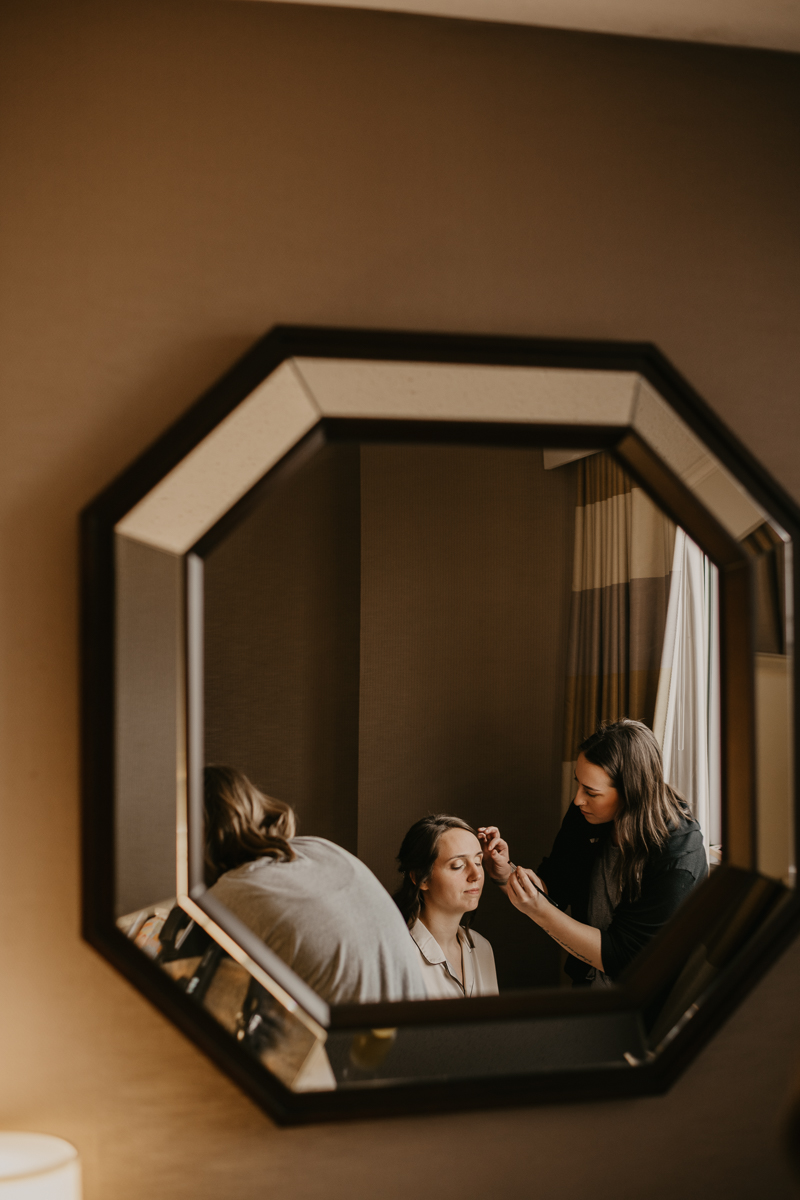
x=687 y=719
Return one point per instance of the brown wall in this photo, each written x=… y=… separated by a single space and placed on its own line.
x=466 y=579
x=282 y=594
x=178 y=176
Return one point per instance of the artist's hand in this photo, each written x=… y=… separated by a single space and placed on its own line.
x=495 y=853
x=523 y=895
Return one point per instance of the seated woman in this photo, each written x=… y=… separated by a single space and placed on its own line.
x=313 y=903
x=627 y=854
x=441 y=863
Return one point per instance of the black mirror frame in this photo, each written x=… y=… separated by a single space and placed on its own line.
x=669 y=950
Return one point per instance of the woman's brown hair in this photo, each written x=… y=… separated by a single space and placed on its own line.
x=418 y=853
x=649 y=809
x=242 y=824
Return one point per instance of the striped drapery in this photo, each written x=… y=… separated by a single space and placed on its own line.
x=620 y=592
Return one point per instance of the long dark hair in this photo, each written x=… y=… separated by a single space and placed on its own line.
x=242 y=824
x=418 y=853
x=649 y=809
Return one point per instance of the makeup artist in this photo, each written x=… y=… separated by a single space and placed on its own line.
x=627 y=854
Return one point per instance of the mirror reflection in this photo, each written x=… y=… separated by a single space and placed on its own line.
x=462 y=727
x=411 y=645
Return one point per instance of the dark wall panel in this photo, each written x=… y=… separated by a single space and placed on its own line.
x=466 y=578
x=282 y=629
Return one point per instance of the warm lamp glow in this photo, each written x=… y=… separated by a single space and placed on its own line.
x=34 y=1166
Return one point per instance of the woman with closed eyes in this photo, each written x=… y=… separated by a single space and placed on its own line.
x=627 y=854
x=441 y=861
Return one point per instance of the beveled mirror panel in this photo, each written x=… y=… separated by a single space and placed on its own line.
x=383 y=576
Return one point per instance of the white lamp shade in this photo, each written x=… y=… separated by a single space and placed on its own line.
x=34 y=1166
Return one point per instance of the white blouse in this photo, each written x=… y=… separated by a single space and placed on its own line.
x=477 y=964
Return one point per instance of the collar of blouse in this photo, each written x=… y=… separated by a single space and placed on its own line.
x=432 y=952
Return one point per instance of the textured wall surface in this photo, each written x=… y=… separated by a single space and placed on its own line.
x=177 y=177
x=466 y=581
x=282 y=602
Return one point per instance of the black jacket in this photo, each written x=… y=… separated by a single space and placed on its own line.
x=667 y=878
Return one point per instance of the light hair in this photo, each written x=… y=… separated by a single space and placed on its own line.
x=241 y=823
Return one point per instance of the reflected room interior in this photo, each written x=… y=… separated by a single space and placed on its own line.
x=393 y=629
x=388 y=635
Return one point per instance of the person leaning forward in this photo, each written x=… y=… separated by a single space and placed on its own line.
x=627 y=854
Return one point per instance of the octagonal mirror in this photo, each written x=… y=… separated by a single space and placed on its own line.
x=365 y=604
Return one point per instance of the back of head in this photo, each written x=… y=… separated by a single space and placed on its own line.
x=418 y=853
x=241 y=823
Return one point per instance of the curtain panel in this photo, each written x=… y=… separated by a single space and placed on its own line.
x=687 y=717
x=620 y=592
